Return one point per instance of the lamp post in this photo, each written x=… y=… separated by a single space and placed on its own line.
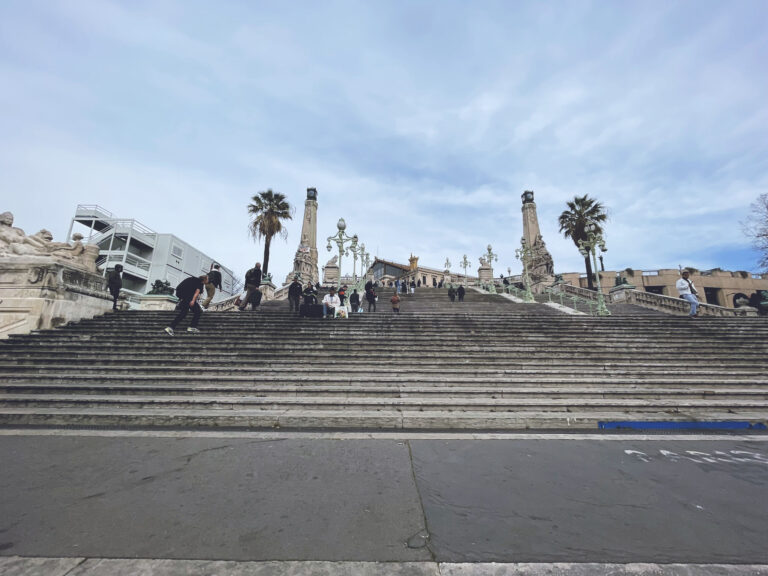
x=524 y=255
x=586 y=249
x=340 y=238
x=465 y=264
x=356 y=250
x=447 y=264
x=490 y=257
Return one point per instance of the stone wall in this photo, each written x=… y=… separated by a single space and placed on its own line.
x=38 y=293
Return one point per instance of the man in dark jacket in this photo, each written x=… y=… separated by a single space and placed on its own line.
x=310 y=294
x=252 y=283
x=460 y=292
x=294 y=295
x=214 y=281
x=114 y=283
x=188 y=292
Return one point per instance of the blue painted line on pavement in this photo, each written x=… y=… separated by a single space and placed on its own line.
x=640 y=425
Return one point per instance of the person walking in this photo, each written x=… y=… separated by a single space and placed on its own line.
x=688 y=292
x=452 y=294
x=395 y=303
x=370 y=295
x=460 y=293
x=343 y=294
x=214 y=281
x=413 y=286
x=330 y=303
x=114 y=284
x=354 y=301
x=188 y=292
x=294 y=295
x=252 y=283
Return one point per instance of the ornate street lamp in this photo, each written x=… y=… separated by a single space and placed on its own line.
x=356 y=250
x=524 y=255
x=447 y=264
x=587 y=249
x=465 y=264
x=490 y=256
x=341 y=239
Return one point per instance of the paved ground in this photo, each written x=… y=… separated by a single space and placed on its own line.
x=422 y=504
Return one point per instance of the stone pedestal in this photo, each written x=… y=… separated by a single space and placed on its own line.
x=485 y=274
x=330 y=274
x=42 y=292
x=158 y=302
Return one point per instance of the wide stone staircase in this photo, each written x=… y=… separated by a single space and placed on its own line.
x=485 y=364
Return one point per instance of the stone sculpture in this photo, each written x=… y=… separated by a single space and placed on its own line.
x=14 y=242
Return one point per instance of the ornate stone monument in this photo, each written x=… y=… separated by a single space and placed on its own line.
x=541 y=266
x=485 y=272
x=305 y=261
x=44 y=284
x=331 y=272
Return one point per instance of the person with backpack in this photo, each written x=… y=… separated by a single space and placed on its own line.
x=252 y=283
x=214 y=281
x=188 y=292
x=460 y=293
x=452 y=294
x=114 y=284
x=395 y=303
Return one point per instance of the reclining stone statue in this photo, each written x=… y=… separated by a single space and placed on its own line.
x=14 y=242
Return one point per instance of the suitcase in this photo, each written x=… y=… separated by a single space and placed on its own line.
x=311 y=310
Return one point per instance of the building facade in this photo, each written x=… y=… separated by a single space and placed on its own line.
x=145 y=255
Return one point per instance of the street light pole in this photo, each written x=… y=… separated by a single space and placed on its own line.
x=355 y=250
x=587 y=249
x=465 y=264
x=524 y=254
x=490 y=256
x=340 y=238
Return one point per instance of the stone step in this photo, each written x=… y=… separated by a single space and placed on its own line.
x=322 y=361
x=406 y=378
x=387 y=403
x=346 y=370
x=455 y=391
x=349 y=419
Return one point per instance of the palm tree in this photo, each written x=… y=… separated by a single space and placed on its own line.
x=581 y=211
x=267 y=211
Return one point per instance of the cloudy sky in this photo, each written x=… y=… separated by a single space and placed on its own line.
x=419 y=122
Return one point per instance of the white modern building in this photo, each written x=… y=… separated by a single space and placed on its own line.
x=146 y=255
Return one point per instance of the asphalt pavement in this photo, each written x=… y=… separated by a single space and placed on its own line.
x=417 y=500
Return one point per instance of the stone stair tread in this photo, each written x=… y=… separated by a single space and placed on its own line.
x=401 y=401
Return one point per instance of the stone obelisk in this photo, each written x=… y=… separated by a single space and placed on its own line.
x=305 y=262
x=541 y=264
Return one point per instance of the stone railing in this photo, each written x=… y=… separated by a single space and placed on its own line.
x=629 y=295
x=673 y=305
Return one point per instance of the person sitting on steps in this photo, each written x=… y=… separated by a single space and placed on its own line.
x=330 y=303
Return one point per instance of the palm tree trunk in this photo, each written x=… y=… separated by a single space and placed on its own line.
x=588 y=262
x=265 y=267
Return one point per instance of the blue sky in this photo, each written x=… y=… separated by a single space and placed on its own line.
x=420 y=123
